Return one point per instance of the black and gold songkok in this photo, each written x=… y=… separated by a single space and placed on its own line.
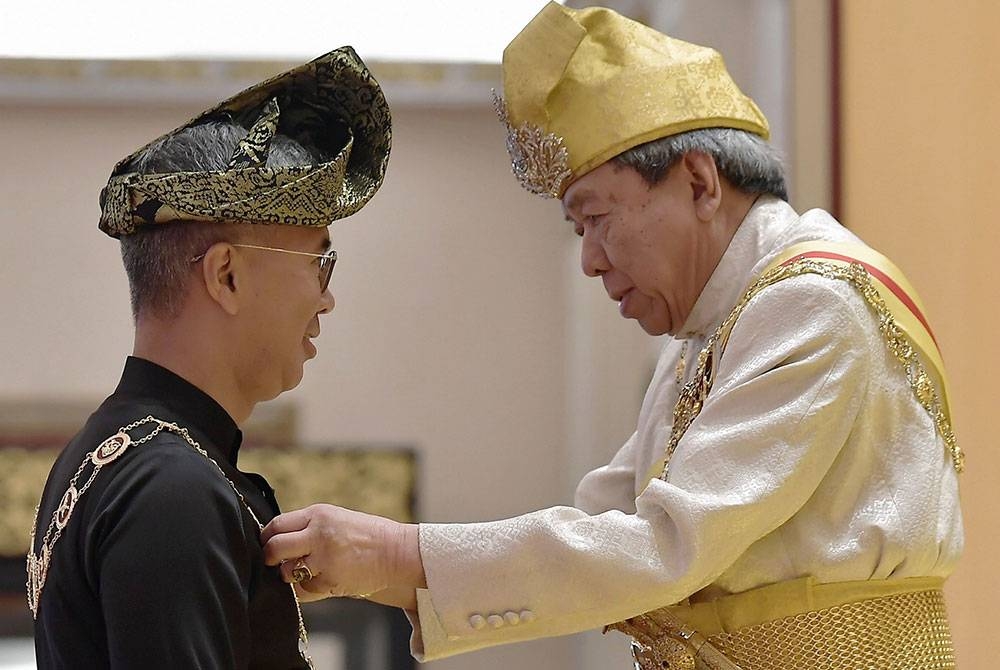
x=332 y=106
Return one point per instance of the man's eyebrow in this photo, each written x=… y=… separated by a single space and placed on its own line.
x=577 y=200
x=324 y=244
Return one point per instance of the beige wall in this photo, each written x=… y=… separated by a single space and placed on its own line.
x=921 y=162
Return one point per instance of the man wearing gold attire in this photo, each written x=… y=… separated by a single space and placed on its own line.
x=789 y=498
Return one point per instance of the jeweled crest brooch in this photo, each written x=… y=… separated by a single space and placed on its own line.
x=538 y=159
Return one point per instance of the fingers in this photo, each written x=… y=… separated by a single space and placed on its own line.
x=286 y=523
x=286 y=547
x=330 y=550
x=287 y=535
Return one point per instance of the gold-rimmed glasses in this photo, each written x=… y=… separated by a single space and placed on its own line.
x=326 y=260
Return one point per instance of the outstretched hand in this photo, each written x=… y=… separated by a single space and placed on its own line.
x=347 y=553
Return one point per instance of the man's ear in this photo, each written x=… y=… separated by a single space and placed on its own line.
x=222 y=271
x=706 y=186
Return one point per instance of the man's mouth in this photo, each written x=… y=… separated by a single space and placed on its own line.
x=308 y=342
x=624 y=301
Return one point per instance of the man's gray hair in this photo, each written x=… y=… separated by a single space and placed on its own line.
x=746 y=160
x=158 y=257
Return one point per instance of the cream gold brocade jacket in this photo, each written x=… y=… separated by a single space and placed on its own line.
x=811 y=456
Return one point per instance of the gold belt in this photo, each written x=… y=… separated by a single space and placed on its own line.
x=892 y=625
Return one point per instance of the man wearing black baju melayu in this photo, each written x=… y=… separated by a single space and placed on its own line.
x=164 y=566
x=146 y=548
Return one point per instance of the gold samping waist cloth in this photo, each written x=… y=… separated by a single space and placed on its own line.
x=801 y=625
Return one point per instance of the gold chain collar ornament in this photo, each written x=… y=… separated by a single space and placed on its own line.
x=107 y=452
x=538 y=159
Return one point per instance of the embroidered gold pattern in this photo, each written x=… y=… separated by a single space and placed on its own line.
x=693 y=394
x=907 y=631
x=660 y=641
x=333 y=94
x=539 y=160
x=106 y=452
x=252 y=150
x=681 y=368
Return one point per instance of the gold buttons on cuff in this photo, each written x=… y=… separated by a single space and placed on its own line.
x=527 y=616
x=495 y=620
x=477 y=621
x=512 y=618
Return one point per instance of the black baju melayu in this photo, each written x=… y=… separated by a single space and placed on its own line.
x=160 y=565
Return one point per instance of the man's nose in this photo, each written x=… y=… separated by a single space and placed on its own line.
x=593 y=260
x=327 y=301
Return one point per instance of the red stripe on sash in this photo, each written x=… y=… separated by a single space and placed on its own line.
x=878 y=274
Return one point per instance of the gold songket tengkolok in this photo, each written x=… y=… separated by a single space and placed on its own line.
x=582 y=86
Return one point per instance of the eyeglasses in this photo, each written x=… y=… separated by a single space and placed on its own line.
x=326 y=261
